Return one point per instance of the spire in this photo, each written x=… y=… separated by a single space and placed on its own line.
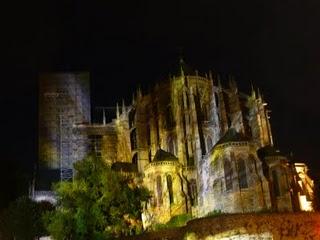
x=118 y=112
x=181 y=63
x=123 y=107
x=219 y=83
x=104 y=116
x=210 y=75
x=259 y=94
x=253 y=92
x=139 y=94
x=233 y=84
x=133 y=99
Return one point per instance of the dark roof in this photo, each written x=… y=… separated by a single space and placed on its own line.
x=269 y=151
x=232 y=136
x=162 y=155
x=124 y=166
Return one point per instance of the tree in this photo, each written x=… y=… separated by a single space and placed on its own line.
x=22 y=220
x=98 y=204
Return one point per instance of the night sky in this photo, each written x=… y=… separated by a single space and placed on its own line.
x=123 y=44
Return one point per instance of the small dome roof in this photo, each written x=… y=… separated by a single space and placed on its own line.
x=162 y=155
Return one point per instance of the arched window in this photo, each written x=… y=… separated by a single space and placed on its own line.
x=148 y=135
x=170 y=143
x=204 y=112
x=169 y=117
x=169 y=185
x=228 y=174
x=132 y=118
x=276 y=185
x=133 y=139
x=209 y=143
x=135 y=159
x=242 y=173
x=193 y=192
x=159 y=191
x=150 y=156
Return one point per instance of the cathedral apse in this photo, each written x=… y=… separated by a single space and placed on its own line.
x=197 y=145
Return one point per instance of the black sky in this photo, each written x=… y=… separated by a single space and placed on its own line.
x=123 y=44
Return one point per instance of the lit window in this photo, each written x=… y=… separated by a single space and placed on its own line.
x=228 y=174
x=242 y=174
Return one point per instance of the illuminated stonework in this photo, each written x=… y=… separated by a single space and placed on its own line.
x=198 y=147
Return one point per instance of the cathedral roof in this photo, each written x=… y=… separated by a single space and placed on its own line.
x=232 y=136
x=162 y=155
x=268 y=151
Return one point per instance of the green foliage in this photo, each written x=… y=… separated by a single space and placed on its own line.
x=98 y=204
x=22 y=220
x=175 y=221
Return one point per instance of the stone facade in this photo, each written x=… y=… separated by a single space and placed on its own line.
x=197 y=146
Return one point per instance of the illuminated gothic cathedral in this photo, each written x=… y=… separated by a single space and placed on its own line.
x=196 y=145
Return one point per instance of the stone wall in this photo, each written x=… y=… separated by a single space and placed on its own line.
x=276 y=226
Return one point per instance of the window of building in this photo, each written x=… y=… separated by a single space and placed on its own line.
x=204 y=111
x=169 y=185
x=228 y=174
x=193 y=192
x=132 y=118
x=243 y=183
x=209 y=143
x=169 y=118
x=135 y=159
x=148 y=135
x=276 y=186
x=95 y=145
x=170 y=143
x=149 y=156
x=133 y=139
x=159 y=190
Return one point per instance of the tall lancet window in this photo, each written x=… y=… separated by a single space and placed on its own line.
x=170 y=143
x=159 y=191
x=132 y=118
x=150 y=156
x=276 y=184
x=242 y=173
x=133 y=139
x=209 y=143
x=228 y=174
x=169 y=118
x=135 y=159
x=169 y=185
x=148 y=135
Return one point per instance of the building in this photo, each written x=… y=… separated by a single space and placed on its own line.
x=197 y=146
